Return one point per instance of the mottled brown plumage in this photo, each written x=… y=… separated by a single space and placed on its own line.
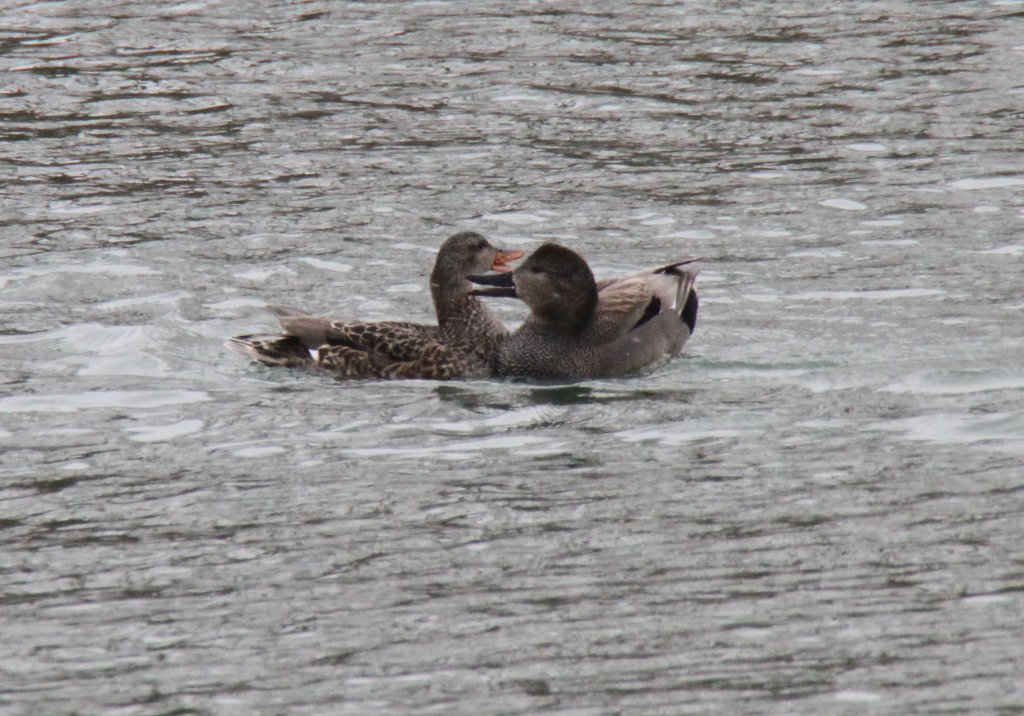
x=462 y=344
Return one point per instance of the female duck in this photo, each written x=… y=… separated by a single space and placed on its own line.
x=462 y=344
x=582 y=329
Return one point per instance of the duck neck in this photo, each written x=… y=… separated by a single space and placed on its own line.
x=570 y=318
x=570 y=325
x=461 y=318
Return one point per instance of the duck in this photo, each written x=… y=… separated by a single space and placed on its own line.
x=462 y=343
x=580 y=328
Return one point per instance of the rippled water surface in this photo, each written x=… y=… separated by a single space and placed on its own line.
x=817 y=509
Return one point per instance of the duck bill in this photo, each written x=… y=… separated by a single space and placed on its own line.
x=492 y=279
x=502 y=258
x=500 y=285
x=496 y=291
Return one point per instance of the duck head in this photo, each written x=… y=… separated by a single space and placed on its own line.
x=555 y=282
x=466 y=253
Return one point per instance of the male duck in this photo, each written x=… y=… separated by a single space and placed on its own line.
x=462 y=344
x=582 y=329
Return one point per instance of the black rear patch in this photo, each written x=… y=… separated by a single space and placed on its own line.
x=689 y=314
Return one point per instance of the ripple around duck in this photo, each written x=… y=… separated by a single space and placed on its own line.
x=112 y=269
x=868 y=295
x=94 y=399
x=958 y=382
x=1002 y=431
x=986 y=183
x=163 y=433
x=525 y=446
x=524 y=418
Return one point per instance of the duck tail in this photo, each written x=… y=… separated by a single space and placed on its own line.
x=272 y=349
x=311 y=331
x=686 y=296
x=673 y=268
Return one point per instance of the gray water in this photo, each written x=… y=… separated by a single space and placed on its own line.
x=816 y=509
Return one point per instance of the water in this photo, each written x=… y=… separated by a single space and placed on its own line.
x=815 y=510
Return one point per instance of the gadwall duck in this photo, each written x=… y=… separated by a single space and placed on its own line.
x=583 y=329
x=461 y=344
